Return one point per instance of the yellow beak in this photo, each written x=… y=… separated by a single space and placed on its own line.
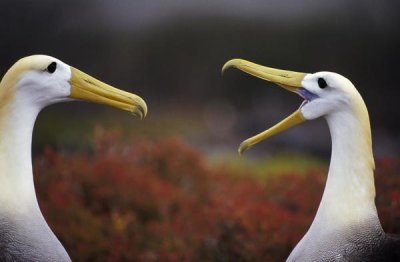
x=287 y=79
x=85 y=87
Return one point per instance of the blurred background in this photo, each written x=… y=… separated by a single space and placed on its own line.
x=171 y=54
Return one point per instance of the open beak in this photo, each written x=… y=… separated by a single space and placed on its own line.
x=289 y=80
x=85 y=87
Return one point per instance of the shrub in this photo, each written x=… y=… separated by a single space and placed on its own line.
x=149 y=201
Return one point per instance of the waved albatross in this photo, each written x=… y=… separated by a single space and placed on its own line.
x=28 y=86
x=346 y=226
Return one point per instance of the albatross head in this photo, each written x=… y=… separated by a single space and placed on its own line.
x=324 y=93
x=41 y=80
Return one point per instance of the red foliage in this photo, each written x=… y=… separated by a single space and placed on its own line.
x=387 y=179
x=160 y=201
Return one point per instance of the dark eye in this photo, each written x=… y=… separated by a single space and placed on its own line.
x=52 y=67
x=322 y=83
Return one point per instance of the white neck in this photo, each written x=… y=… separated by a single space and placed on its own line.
x=24 y=233
x=17 y=192
x=347 y=215
x=349 y=192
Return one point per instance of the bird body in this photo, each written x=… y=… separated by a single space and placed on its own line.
x=30 y=85
x=346 y=226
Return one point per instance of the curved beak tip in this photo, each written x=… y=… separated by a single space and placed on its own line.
x=229 y=64
x=244 y=146
x=140 y=110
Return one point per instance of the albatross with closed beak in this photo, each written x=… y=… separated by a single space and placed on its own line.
x=31 y=84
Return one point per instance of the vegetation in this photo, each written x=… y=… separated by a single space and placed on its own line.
x=162 y=201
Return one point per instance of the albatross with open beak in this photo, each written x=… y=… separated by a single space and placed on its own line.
x=31 y=84
x=346 y=226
